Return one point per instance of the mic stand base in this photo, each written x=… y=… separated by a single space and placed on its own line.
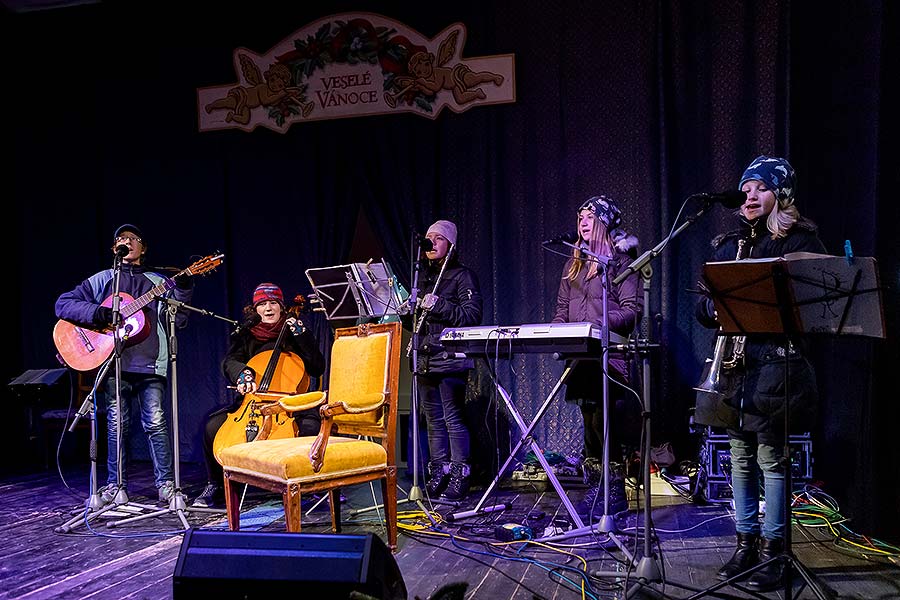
x=94 y=508
x=414 y=495
x=177 y=506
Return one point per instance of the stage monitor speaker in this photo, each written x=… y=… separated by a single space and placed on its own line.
x=246 y=564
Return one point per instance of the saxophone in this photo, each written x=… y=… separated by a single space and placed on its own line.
x=725 y=366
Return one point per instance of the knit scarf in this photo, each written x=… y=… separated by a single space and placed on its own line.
x=268 y=331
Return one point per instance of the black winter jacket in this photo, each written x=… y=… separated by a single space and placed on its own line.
x=758 y=404
x=459 y=305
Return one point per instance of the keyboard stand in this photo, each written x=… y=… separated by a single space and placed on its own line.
x=526 y=430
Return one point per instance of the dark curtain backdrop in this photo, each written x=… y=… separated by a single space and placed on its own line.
x=647 y=102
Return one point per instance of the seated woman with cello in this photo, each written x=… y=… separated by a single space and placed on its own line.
x=272 y=352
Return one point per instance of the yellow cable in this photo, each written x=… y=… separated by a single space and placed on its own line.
x=839 y=537
x=549 y=547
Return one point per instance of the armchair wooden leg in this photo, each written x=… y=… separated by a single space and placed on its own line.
x=292 y=510
x=389 y=494
x=334 y=499
x=232 y=504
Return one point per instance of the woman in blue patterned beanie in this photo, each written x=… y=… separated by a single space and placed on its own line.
x=580 y=300
x=752 y=410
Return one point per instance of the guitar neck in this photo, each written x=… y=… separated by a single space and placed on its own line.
x=145 y=299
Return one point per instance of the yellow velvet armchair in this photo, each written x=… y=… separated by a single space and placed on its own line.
x=361 y=401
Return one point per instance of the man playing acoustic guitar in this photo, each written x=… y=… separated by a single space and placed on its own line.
x=145 y=357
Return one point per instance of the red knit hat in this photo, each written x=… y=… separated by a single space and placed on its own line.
x=267 y=291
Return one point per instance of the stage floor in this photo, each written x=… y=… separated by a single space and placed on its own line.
x=137 y=560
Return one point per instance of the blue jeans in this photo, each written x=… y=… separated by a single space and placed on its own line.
x=746 y=453
x=443 y=399
x=150 y=392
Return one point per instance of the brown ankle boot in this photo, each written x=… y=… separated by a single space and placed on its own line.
x=744 y=557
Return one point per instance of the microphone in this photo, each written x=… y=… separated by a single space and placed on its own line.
x=426 y=244
x=251 y=321
x=570 y=237
x=122 y=250
x=728 y=198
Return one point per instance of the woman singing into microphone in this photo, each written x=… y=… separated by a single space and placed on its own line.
x=580 y=298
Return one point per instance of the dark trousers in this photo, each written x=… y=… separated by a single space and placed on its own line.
x=442 y=397
x=585 y=388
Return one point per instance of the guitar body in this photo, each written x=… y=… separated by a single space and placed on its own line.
x=289 y=378
x=85 y=349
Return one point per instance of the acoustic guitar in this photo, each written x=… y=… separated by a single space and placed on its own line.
x=85 y=348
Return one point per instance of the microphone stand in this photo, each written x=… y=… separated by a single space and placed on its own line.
x=93 y=506
x=638 y=263
x=177 y=504
x=647 y=570
x=607 y=523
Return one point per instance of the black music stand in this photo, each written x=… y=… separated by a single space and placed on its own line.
x=800 y=293
x=356 y=291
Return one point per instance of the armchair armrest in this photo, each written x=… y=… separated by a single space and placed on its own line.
x=370 y=402
x=302 y=401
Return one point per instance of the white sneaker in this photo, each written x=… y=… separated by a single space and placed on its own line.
x=166 y=491
x=108 y=494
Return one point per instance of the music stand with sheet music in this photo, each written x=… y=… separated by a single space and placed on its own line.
x=800 y=293
x=356 y=290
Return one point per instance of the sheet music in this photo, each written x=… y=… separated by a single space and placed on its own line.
x=827 y=294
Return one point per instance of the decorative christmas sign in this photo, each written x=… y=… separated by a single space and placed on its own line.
x=352 y=65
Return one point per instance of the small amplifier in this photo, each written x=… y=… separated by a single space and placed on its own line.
x=717 y=458
x=511 y=532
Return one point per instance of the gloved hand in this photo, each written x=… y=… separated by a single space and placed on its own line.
x=706 y=308
x=103 y=316
x=296 y=326
x=184 y=281
x=429 y=301
x=246 y=381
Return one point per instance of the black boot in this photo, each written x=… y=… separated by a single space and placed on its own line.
x=770 y=577
x=438 y=476
x=618 y=499
x=212 y=496
x=591 y=506
x=458 y=486
x=745 y=556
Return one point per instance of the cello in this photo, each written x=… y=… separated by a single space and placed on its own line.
x=284 y=374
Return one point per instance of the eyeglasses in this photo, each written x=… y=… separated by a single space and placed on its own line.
x=128 y=238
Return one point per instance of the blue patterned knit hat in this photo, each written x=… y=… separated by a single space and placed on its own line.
x=777 y=173
x=605 y=209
